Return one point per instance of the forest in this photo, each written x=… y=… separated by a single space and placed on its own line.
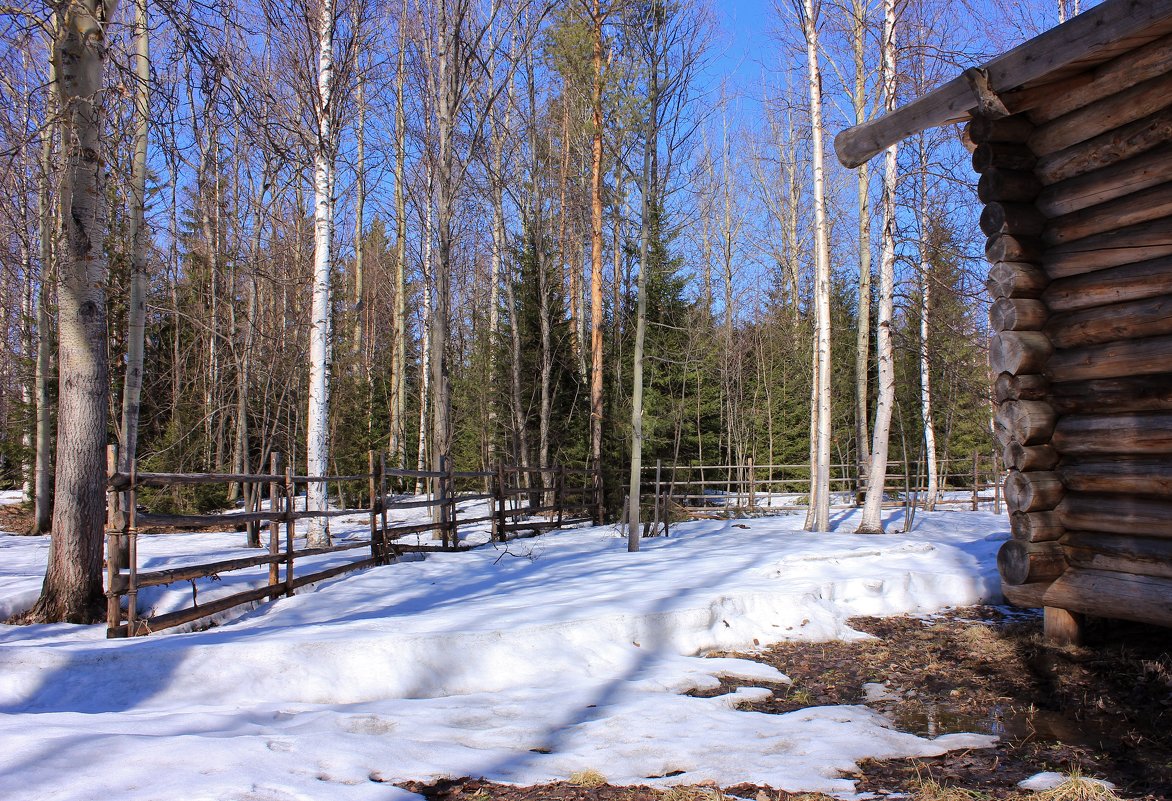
x=484 y=231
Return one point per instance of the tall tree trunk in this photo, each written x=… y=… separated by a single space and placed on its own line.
x=43 y=483
x=320 y=334
x=496 y=257
x=818 y=518
x=72 y=590
x=516 y=404
x=872 y=520
x=649 y=208
x=445 y=179
x=596 y=310
x=132 y=389
x=421 y=460
x=863 y=177
x=359 y=299
x=930 y=493
x=398 y=444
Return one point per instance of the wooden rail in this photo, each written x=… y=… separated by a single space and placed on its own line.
x=524 y=502
x=729 y=490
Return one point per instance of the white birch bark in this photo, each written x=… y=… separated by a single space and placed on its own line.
x=872 y=519
x=132 y=389
x=818 y=517
x=863 y=177
x=320 y=330
x=932 y=490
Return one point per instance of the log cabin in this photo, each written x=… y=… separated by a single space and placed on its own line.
x=1071 y=135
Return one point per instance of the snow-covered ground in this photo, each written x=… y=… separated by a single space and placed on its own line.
x=522 y=664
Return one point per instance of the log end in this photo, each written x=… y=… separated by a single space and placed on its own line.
x=1030 y=563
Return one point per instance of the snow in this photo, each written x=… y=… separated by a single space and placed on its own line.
x=557 y=655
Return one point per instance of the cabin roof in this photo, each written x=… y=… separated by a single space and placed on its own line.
x=1019 y=79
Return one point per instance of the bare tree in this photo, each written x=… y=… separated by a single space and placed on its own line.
x=139 y=244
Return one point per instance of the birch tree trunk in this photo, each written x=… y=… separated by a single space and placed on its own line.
x=320 y=332
x=872 y=519
x=818 y=517
x=931 y=492
x=132 y=389
x=72 y=590
x=863 y=177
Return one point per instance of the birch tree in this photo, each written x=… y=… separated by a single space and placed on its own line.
x=818 y=516
x=872 y=519
x=858 y=34
x=321 y=323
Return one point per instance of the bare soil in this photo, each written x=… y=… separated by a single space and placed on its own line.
x=1102 y=710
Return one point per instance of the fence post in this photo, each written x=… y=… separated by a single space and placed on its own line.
x=599 y=503
x=382 y=504
x=671 y=488
x=561 y=492
x=976 y=476
x=752 y=487
x=444 y=492
x=130 y=537
x=113 y=573
x=290 y=528
x=251 y=491
x=372 y=481
x=499 y=532
x=275 y=510
x=655 y=512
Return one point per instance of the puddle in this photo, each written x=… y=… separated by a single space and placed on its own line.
x=1036 y=725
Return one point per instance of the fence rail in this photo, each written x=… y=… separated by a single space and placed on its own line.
x=724 y=490
x=524 y=501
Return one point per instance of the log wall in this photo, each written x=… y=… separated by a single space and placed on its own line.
x=1077 y=196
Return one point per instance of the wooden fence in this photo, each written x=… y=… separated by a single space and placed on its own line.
x=725 y=490
x=522 y=501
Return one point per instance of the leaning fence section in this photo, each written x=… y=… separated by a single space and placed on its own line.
x=507 y=501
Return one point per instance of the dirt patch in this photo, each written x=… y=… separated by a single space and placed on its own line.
x=16 y=518
x=479 y=790
x=1100 y=710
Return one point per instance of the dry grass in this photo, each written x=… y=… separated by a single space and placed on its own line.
x=589 y=779
x=1078 y=788
x=690 y=792
x=932 y=790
